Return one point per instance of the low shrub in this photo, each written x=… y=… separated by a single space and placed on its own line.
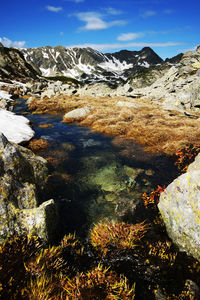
x=186 y=156
x=151 y=200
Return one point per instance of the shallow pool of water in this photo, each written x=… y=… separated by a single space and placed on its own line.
x=96 y=177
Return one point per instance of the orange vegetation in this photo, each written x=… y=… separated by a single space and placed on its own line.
x=47 y=125
x=38 y=145
x=118 y=236
x=157 y=129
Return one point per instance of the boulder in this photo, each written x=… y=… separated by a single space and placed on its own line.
x=180 y=208
x=77 y=113
x=22 y=181
x=15 y=128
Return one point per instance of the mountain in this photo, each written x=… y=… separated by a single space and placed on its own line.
x=14 y=66
x=145 y=57
x=174 y=60
x=89 y=65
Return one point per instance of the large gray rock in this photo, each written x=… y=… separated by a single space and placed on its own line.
x=22 y=180
x=77 y=113
x=180 y=208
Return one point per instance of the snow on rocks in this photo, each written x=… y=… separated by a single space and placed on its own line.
x=4 y=95
x=5 y=99
x=15 y=128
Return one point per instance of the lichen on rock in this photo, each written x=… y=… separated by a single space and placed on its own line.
x=22 y=181
x=180 y=208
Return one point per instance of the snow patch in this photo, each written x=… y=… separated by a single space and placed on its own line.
x=45 y=55
x=144 y=64
x=15 y=128
x=5 y=95
x=45 y=72
x=115 y=65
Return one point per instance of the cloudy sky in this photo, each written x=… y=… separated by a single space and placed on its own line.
x=167 y=26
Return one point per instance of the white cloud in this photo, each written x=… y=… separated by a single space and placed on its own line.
x=94 y=21
x=103 y=47
x=148 y=13
x=8 y=43
x=187 y=49
x=112 y=11
x=130 y=36
x=53 y=8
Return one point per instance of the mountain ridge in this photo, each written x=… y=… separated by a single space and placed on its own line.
x=87 y=63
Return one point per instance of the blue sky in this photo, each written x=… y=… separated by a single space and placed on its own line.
x=167 y=26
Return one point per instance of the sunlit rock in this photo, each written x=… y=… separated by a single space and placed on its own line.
x=77 y=113
x=180 y=208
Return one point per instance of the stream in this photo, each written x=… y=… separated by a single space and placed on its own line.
x=95 y=177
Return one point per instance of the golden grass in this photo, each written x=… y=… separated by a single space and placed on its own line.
x=156 y=129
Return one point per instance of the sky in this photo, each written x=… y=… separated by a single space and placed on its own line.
x=167 y=26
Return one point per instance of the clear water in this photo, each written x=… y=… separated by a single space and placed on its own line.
x=96 y=177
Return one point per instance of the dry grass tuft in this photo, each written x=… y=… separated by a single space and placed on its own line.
x=156 y=129
x=99 y=283
x=116 y=236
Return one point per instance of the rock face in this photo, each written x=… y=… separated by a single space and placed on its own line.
x=14 y=66
x=15 y=128
x=180 y=208
x=22 y=180
x=89 y=65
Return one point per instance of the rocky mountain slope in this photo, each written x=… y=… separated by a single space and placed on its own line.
x=177 y=89
x=14 y=66
x=89 y=65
